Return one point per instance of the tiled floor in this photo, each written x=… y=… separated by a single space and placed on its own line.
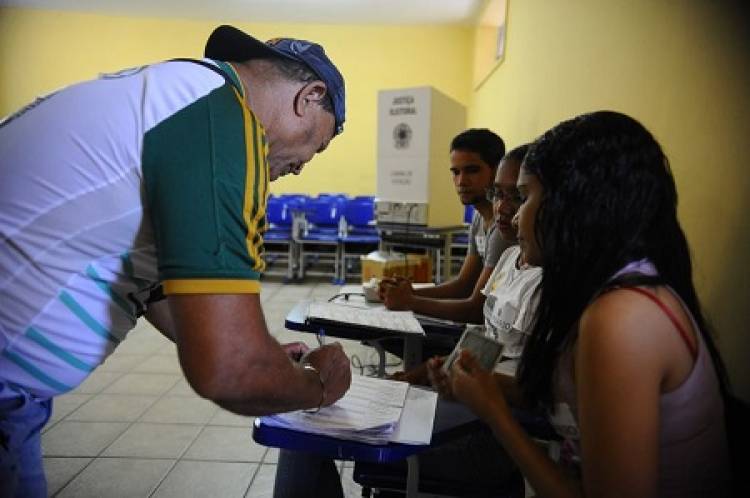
x=134 y=428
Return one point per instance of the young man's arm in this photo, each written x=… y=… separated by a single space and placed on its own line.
x=464 y=305
x=468 y=309
x=459 y=287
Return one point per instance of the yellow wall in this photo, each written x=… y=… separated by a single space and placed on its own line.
x=681 y=68
x=44 y=50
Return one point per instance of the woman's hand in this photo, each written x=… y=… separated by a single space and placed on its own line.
x=475 y=386
x=438 y=379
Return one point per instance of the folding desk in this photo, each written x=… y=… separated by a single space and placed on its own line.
x=296 y=319
x=451 y=421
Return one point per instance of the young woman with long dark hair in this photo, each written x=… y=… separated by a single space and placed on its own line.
x=620 y=353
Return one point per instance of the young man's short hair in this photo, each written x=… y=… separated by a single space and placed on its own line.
x=482 y=141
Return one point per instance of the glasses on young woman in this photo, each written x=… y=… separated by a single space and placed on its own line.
x=494 y=194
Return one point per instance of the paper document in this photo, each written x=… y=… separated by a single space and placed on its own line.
x=397 y=321
x=418 y=417
x=372 y=411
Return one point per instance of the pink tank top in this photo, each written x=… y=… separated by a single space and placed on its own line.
x=694 y=458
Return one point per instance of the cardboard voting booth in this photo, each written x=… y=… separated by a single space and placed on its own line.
x=415 y=129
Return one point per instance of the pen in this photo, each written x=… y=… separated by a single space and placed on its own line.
x=321 y=337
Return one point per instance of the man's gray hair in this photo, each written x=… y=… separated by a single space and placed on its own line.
x=299 y=72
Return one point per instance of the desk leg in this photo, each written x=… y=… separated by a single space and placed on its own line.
x=412 y=477
x=447 y=256
x=439 y=277
x=412 y=351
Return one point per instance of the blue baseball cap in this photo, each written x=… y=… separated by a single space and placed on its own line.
x=229 y=44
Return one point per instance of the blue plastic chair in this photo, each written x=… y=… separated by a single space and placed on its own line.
x=278 y=240
x=318 y=236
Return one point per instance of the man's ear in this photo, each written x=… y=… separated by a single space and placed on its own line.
x=310 y=94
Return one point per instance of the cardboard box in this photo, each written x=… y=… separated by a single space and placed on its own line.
x=378 y=264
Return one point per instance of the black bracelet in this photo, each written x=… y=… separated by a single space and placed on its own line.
x=308 y=366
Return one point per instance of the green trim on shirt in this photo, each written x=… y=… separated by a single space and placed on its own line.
x=201 y=171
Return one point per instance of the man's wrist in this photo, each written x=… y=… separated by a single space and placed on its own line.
x=311 y=368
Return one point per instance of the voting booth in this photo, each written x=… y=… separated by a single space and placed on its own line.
x=414 y=185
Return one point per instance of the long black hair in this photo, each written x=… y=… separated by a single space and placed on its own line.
x=609 y=199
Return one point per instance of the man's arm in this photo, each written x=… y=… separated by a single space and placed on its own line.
x=229 y=357
x=159 y=316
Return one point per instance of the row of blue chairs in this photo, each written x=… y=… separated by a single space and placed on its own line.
x=329 y=231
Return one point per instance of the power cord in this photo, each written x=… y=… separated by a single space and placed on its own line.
x=372 y=368
x=345 y=295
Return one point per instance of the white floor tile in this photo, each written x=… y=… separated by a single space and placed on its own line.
x=83 y=439
x=180 y=410
x=168 y=349
x=112 y=408
x=231 y=444
x=63 y=405
x=292 y=293
x=160 y=363
x=60 y=471
x=262 y=485
x=143 y=329
x=96 y=382
x=118 y=362
x=272 y=456
x=182 y=388
x=206 y=479
x=142 y=345
x=227 y=418
x=153 y=441
x=138 y=383
x=117 y=478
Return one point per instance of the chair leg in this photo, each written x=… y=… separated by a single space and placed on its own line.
x=412 y=477
x=439 y=267
x=301 y=262
x=290 y=262
x=340 y=278
x=342 y=263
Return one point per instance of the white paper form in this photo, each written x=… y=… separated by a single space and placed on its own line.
x=417 y=418
x=368 y=412
x=399 y=321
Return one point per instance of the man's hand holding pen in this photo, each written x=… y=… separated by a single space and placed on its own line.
x=333 y=366
x=396 y=293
